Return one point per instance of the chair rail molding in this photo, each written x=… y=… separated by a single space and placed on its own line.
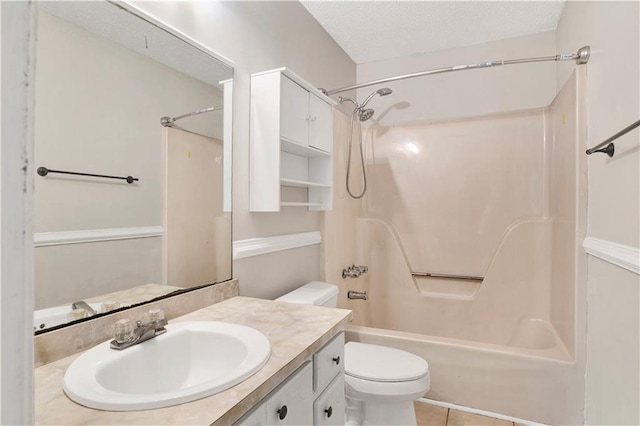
x=44 y=239
x=626 y=257
x=258 y=246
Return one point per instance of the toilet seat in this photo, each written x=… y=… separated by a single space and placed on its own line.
x=387 y=392
x=382 y=364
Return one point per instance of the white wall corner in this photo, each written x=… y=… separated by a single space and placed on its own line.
x=258 y=246
x=626 y=257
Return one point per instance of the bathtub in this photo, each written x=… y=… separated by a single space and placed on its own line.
x=526 y=383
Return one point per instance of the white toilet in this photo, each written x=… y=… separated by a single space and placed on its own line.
x=381 y=383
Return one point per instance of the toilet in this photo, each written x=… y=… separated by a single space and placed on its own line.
x=381 y=383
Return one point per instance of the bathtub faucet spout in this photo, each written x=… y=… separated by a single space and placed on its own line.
x=360 y=295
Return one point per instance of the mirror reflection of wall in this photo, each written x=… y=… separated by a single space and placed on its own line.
x=99 y=100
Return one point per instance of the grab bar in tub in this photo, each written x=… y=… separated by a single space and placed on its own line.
x=446 y=276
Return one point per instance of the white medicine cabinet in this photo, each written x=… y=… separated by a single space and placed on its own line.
x=291 y=141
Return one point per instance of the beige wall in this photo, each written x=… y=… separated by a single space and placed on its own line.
x=613 y=330
x=258 y=36
x=98 y=107
x=464 y=93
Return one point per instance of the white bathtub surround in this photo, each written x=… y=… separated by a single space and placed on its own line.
x=513 y=212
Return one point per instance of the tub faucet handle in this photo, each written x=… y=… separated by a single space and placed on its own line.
x=354 y=271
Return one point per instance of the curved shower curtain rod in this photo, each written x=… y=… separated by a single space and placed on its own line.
x=170 y=121
x=581 y=57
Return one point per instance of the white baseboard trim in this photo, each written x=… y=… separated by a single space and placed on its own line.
x=626 y=257
x=479 y=412
x=44 y=239
x=258 y=246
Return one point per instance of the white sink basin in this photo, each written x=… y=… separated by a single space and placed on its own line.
x=191 y=360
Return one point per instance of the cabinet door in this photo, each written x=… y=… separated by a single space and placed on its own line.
x=328 y=362
x=320 y=124
x=292 y=402
x=294 y=112
x=329 y=408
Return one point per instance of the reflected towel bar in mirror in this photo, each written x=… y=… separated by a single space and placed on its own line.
x=446 y=276
x=607 y=146
x=43 y=171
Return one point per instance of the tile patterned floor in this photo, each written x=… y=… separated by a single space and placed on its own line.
x=431 y=415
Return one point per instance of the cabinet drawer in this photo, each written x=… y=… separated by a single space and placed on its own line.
x=328 y=362
x=329 y=408
x=290 y=403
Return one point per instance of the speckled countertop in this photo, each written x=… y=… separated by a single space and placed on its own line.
x=295 y=332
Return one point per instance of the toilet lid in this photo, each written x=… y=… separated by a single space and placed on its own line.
x=382 y=364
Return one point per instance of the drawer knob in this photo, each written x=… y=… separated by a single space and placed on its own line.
x=329 y=411
x=282 y=412
x=337 y=360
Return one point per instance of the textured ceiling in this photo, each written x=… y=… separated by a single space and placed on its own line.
x=374 y=30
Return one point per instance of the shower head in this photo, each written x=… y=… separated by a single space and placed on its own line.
x=382 y=92
x=366 y=114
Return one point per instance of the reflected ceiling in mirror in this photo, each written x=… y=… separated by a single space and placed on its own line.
x=104 y=79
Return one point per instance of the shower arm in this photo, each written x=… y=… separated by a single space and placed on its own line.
x=581 y=57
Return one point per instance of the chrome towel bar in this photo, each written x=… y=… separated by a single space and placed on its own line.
x=610 y=149
x=446 y=276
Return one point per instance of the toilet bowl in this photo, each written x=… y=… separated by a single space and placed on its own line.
x=381 y=383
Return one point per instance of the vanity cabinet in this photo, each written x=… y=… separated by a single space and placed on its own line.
x=291 y=142
x=312 y=395
x=290 y=404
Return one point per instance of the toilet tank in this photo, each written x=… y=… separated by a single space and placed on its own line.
x=314 y=293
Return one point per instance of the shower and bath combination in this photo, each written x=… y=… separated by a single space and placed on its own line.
x=580 y=57
x=363 y=114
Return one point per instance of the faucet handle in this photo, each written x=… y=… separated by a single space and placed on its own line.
x=155 y=317
x=123 y=331
x=155 y=314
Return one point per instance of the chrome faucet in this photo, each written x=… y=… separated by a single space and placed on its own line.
x=359 y=295
x=354 y=271
x=126 y=335
x=81 y=304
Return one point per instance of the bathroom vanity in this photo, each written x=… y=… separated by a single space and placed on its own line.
x=302 y=382
x=313 y=395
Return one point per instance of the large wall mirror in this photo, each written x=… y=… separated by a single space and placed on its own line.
x=105 y=77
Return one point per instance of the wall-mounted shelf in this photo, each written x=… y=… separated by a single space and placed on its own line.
x=291 y=140
x=302 y=184
x=303 y=151
x=299 y=204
